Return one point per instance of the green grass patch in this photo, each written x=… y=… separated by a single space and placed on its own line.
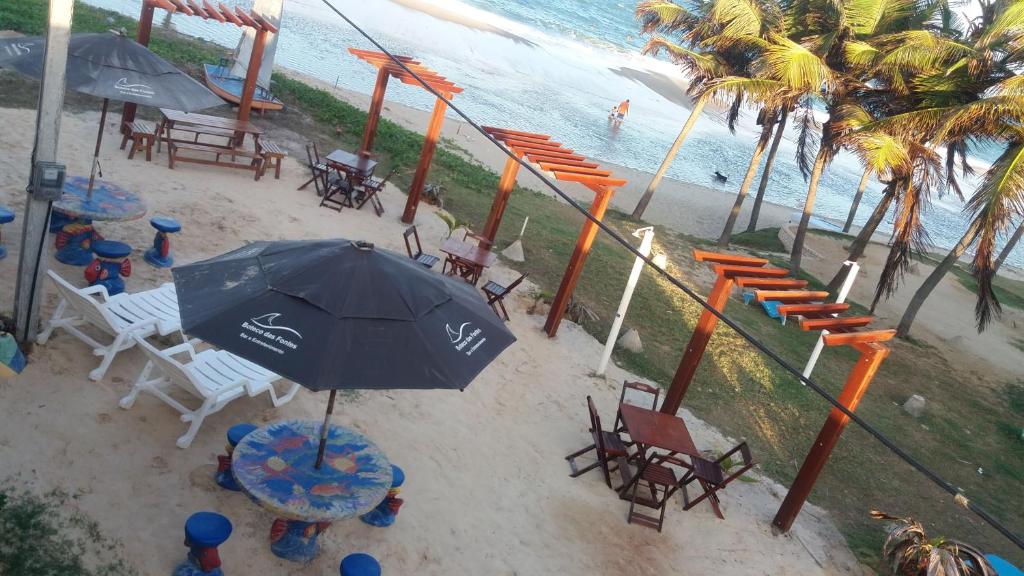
x=763 y=240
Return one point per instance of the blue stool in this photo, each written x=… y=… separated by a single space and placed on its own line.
x=58 y=220
x=160 y=254
x=225 y=478
x=6 y=217
x=204 y=532
x=110 y=264
x=385 y=513
x=360 y=564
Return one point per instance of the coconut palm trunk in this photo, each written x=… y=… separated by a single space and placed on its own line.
x=805 y=220
x=860 y=243
x=1010 y=244
x=856 y=199
x=641 y=206
x=755 y=211
x=933 y=279
x=748 y=179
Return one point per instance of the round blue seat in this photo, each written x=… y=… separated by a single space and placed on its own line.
x=239 y=431
x=165 y=224
x=207 y=529
x=360 y=564
x=111 y=249
x=397 y=476
x=6 y=215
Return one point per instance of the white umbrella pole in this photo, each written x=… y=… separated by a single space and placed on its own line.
x=844 y=291
x=96 y=154
x=646 y=236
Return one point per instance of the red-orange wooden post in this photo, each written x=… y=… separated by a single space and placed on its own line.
x=373 y=115
x=579 y=257
x=251 y=75
x=857 y=383
x=505 y=186
x=426 y=156
x=142 y=35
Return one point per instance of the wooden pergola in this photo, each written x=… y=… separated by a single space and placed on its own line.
x=387 y=68
x=771 y=284
x=566 y=166
x=222 y=14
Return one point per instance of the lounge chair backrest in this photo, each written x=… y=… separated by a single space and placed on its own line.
x=411 y=231
x=86 y=306
x=171 y=368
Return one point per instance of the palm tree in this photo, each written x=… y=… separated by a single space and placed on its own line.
x=769 y=163
x=856 y=200
x=1010 y=244
x=768 y=126
x=709 y=48
x=909 y=552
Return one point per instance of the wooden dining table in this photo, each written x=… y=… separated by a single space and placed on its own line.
x=470 y=254
x=200 y=124
x=353 y=165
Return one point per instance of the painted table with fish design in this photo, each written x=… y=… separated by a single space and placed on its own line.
x=109 y=203
x=275 y=466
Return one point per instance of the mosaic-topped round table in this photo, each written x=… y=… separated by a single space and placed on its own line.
x=109 y=203
x=274 y=465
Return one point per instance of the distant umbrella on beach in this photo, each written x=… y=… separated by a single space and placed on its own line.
x=112 y=66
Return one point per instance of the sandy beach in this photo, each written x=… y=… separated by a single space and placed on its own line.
x=487 y=486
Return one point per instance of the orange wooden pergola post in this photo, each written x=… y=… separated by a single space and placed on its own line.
x=871 y=356
x=505 y=186
x=386 y=67
x=222 y=14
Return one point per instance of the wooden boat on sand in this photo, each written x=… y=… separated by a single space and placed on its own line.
x=228 y=87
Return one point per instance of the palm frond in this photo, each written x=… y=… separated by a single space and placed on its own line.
x=697 y=64
x=868 y=17
x=1009 y=24
x=663 y=16
x=998 y=200
x=861 y=55
x=807 y=140
x=764 y=92
x=995 y=117
x=908 y=237
x=799 y=68
x=737 y=17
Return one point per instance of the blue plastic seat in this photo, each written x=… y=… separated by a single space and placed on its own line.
x=239 y=431
x=207 y=529
x=111 y=249
x=360 y=564
x=165 y=224
x=397 y=476
x=6 y=215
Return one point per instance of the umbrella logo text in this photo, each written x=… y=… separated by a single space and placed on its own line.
x=461 y=340
x=452 y=334
x=267 y=323
x=142 y=90
x=18 y=49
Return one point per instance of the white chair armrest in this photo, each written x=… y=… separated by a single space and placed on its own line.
x=97 y=289
x=255 y=388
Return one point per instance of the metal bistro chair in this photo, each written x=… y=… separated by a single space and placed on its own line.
x=318 y=168
x=419 y=256
x=609 y=448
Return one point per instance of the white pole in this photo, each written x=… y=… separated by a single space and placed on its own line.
x=851 y=276
x=37 y=212
x=646 y=236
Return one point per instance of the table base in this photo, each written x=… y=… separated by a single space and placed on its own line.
x=191 y=568
x=74 y=242
x=295 y=540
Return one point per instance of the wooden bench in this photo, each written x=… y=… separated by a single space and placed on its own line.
x=196 y=132
x=272 y=155
x=142 y=134
x=175 y=148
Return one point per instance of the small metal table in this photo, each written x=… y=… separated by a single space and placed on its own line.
x=109 y=202
x=275 y=466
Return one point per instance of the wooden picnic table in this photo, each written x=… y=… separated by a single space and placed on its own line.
x=470 y=254
x=205 y=124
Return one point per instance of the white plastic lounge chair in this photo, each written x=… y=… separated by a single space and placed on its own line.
x=214 y=376
x=119 y=316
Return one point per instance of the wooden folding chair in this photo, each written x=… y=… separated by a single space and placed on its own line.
x=653 y=391
x=662 y=483
x=369 y=190
x=496 y=295
x=318 y=168
x=715 y=475
x=611 y=453
x=427 y=260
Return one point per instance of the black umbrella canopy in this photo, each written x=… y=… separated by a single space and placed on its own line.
x=112 y=66
x=335 y=314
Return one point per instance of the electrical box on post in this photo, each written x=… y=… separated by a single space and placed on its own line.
x=48 y=180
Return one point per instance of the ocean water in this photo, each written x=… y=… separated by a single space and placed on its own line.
x=553 y=69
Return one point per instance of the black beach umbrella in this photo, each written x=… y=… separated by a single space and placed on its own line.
x=341 y=315
x=113 y=67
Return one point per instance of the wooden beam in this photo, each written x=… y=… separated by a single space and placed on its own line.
x=426 y=157
x=731 y=259
x=492 y=129
x=812 y=309
x=770 y=283
x=590 y=180
x=198 y=10
x=856 y=386
x=264 y=23
x=570 y=169
x=555 y=157
x=213 y=12
x=183 y=7
x=543 y=161
x=165 y=4
x=576 y=262
x=528 y=145
x=251 y=74
x=228 y=14
x=790 y=295
x=373 y=115
x=246 y=19
x=505 y=187
x=735 y=271
x=835 y=324
x=859 y=337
